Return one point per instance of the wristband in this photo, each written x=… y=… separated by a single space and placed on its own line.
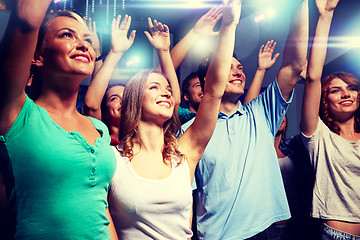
x=98 y=58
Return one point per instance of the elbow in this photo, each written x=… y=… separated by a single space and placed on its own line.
x=298 y=66
x=313 y=76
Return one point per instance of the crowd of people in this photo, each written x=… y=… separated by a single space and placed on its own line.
x=133 y=164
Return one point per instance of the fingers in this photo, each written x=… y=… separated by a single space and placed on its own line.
x=166 y=28
x=132 y=36
x=125 y=24
x=261 y=49
x=128 y=22
x=269 y=46
x=94 y=26
x=214 y=14
x=276 y=56
x=148 y=35
x=113 y=25
x=151 y=26
x=218 y=16
x=217 y=12
x=117 y=23
x=157 y=26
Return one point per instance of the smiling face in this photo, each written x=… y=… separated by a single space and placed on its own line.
x=157 y=101
x=236 y=78
x=342 y=98
x=194 y=94
x=66 y=49
x=113 y=99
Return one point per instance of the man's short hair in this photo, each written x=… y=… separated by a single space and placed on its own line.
x=186 y=82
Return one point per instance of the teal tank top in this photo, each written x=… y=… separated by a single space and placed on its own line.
x=56 y=182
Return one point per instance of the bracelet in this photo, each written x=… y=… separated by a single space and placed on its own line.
x=98 y=58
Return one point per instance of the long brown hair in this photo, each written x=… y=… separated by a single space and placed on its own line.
x=324 y=111
x=131 y=111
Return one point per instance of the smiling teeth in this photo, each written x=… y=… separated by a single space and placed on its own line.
x=236 y=81
x=165 y=104
x=81 y=58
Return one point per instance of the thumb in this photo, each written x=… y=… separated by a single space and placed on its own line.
x=148 y=35
x=276 y=56
x=132 y=36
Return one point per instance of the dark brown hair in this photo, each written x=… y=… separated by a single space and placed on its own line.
x=131 y=111
x=324 y=111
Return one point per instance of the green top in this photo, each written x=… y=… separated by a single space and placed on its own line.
x=57 y=183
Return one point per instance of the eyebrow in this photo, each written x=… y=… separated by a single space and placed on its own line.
x=196 y=83
x=154 y=83
x=112 y=95
x=337 y=87
x=73 y=31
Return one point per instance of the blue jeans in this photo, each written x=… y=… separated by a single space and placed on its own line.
x=328 y=233
x=271 y=233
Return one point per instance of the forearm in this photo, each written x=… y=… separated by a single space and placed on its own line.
x=99 y=84
x=255 y=87
x=296 y=45
x=312 y=93
x=221 y=61
x=183 y=47
x=18 y=46
x=294 y=57
x=319 y=47
x=168 y=70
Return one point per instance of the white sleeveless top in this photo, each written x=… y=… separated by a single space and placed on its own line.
x=148 y=208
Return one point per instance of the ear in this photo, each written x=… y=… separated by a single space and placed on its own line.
x=186 y=97
x=38 y=60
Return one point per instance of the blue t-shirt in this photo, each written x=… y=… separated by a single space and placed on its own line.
x=239 y=186
x=56 y=182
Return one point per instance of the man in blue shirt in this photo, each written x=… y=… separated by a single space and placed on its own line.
x=239 y=192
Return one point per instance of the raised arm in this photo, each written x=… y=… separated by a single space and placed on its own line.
x=193 y=142
x=294 y=57
x=265 y=61
x=204 y=27
x=95 y=44
x=312 y=93
x=16 y=55
x=119 y=44
x=160 y=40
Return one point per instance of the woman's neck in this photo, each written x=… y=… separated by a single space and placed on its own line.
x=347 y=130
x=56 y=102
x=150 y=136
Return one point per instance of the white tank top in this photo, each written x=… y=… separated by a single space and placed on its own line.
x=147 y=208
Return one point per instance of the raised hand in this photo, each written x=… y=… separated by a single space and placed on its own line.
x=231 y=11
x=94 y=37
x=326 y=5
x=205 y=25
x=160 y=35
x=120 y=43
x=265 y=58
